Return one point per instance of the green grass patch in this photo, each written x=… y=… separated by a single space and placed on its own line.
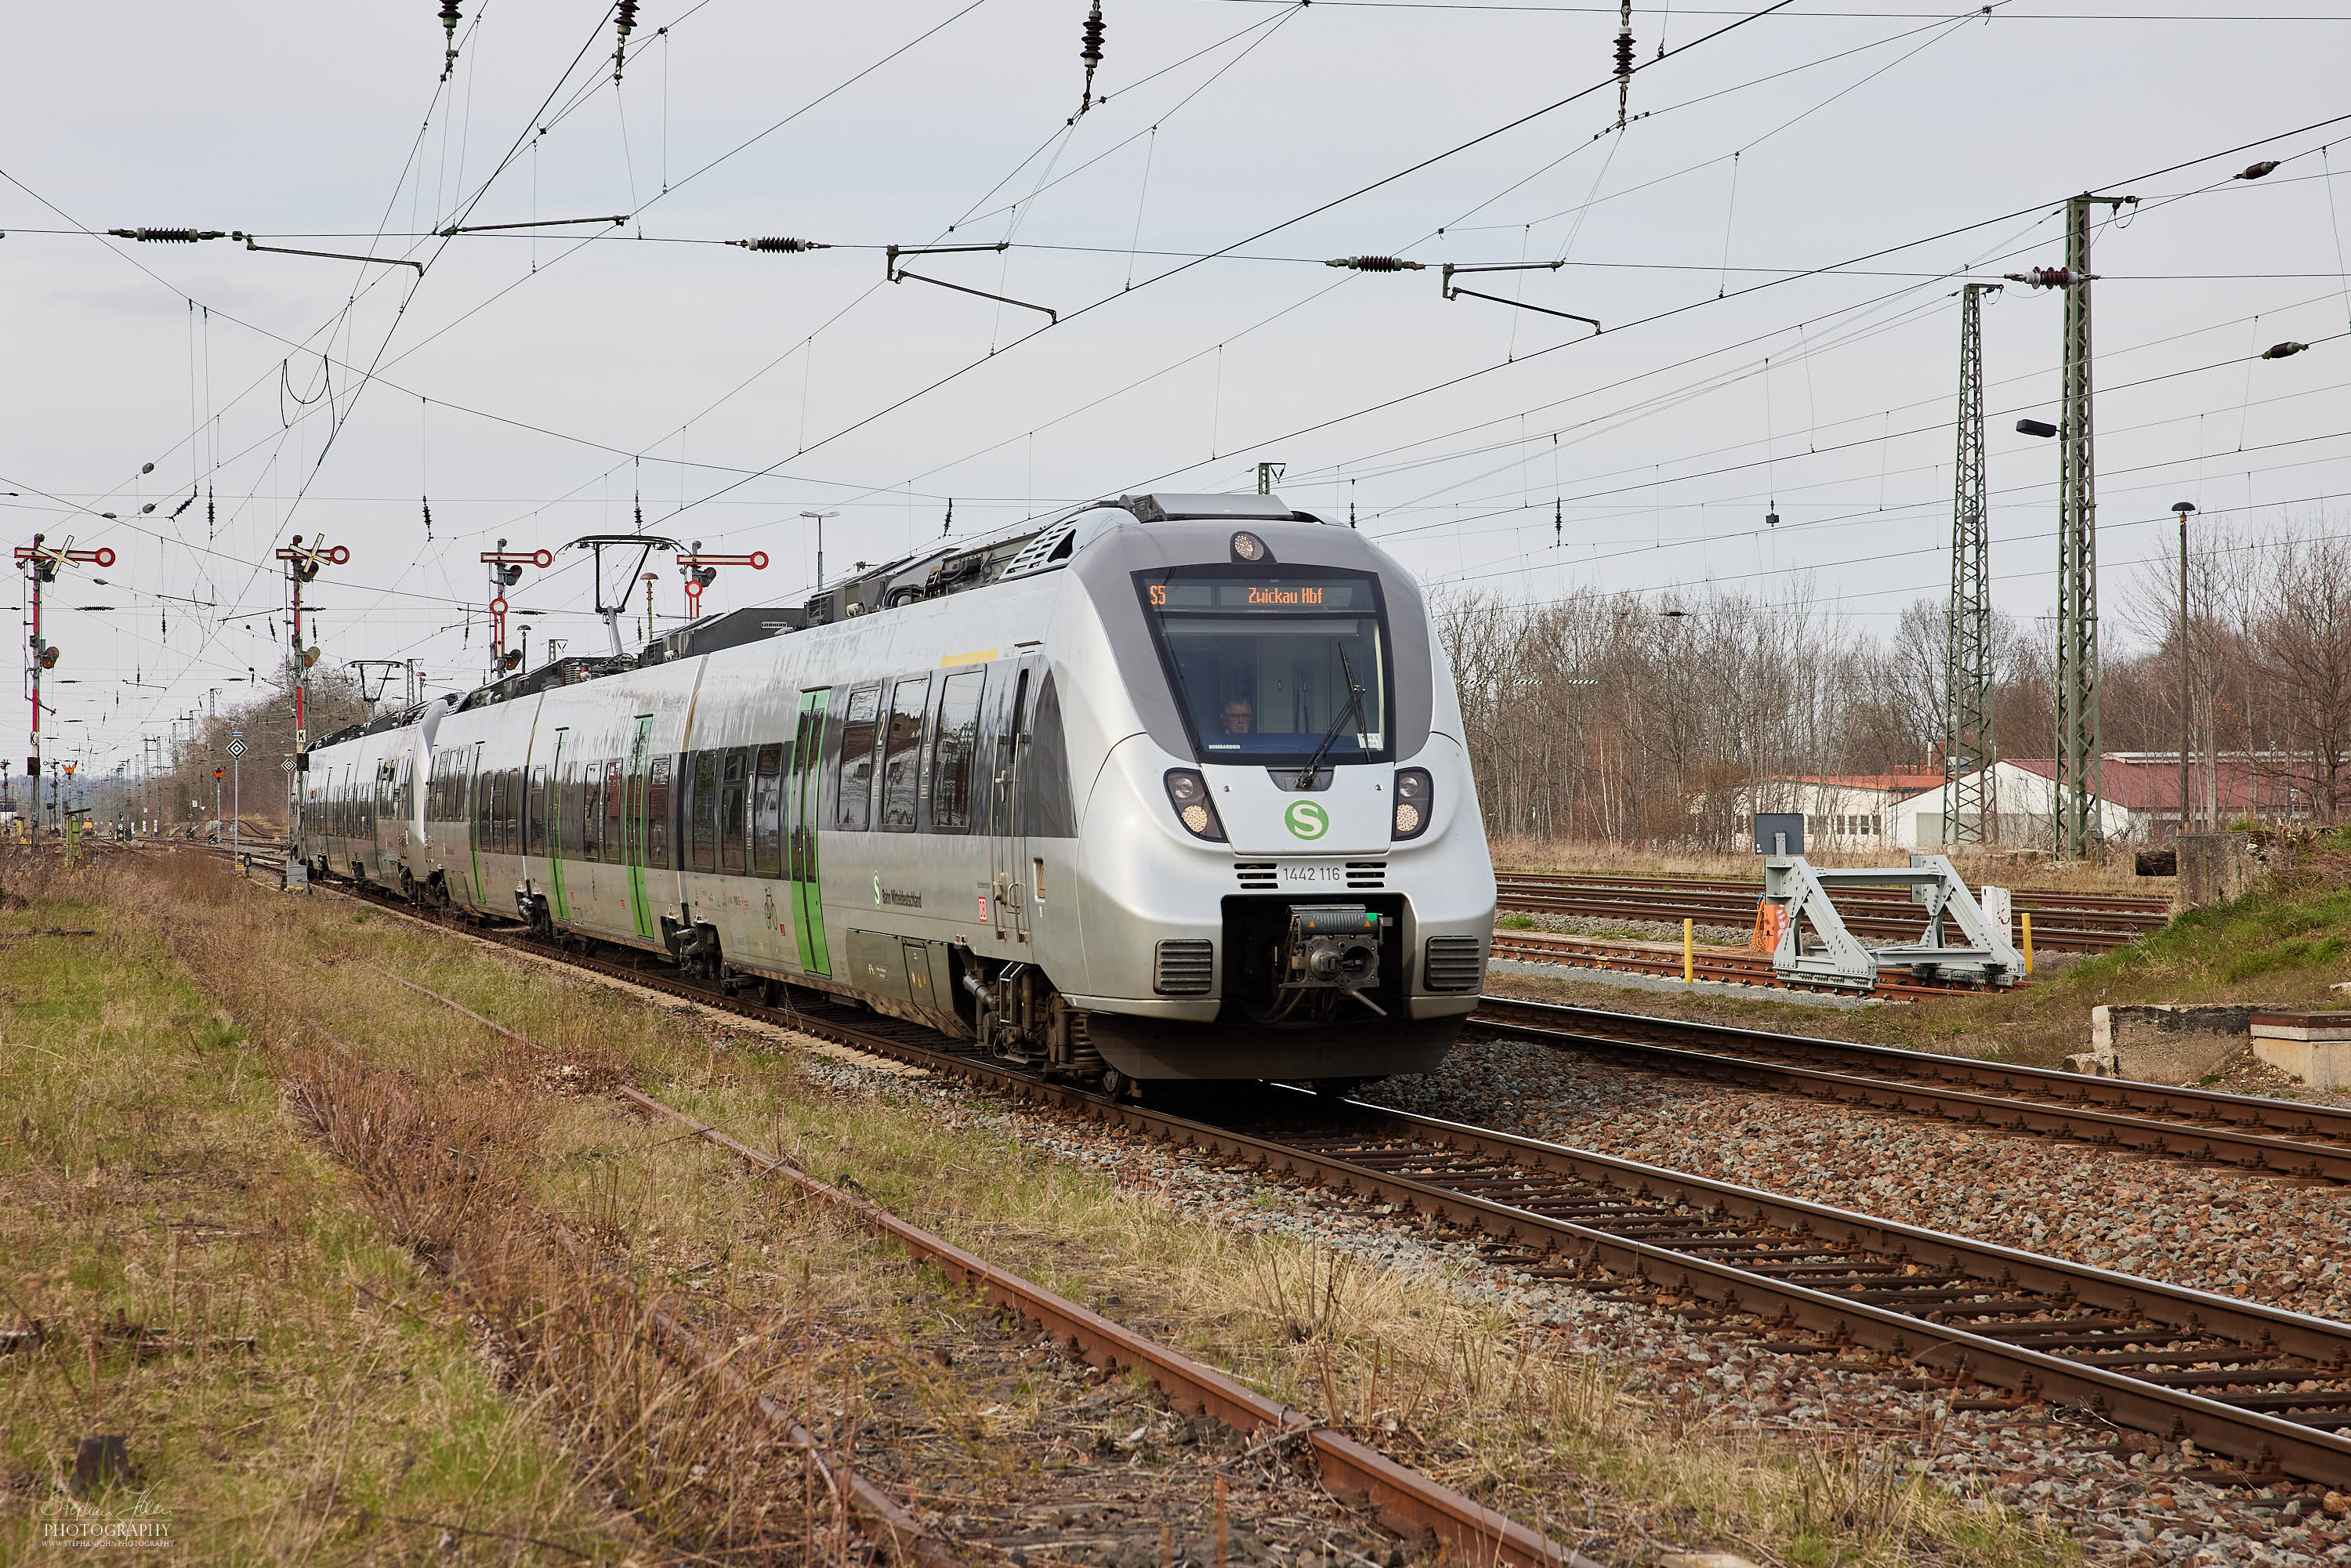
x=207 y=1287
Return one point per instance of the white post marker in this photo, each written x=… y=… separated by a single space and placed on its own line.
x=236 y=796
x=1995 y=903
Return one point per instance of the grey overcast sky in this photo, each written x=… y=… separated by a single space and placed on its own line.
x=1772 y=245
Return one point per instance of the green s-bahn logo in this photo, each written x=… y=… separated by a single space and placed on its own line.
x=1306 y=820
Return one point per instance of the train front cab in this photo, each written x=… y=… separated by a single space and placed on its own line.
x=1324 y=925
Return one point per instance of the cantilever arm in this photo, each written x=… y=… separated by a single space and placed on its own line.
x=901 y=274
x=251 y=244
x=1454 y=291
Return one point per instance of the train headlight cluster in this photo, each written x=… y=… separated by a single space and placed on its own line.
x=1412 y=789
x=1188 y=793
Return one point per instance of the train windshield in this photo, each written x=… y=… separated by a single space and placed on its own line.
x=1274 y=666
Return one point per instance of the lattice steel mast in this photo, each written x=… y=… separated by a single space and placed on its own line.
x=1970 y=746
x=2074 y=800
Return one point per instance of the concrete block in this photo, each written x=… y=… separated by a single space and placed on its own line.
x=2215 y=867
x=2314 y=1046
x=2089 y=1064
x=2169 y=1044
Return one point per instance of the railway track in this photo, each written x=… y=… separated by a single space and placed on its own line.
x=1406 y=1501
x=1728 y=966
x=2062 y=920
x=2271 y=1387
x=2278 y=1137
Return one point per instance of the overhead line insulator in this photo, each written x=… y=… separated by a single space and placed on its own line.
x=449 y=20
x=169 y=236
x=627 y=21
x=1623 y=61
x=2256 y=171
x=1377 y=264
x=779 y=243
x=2283 y=351
x=1090 y=51
x=2051 y=277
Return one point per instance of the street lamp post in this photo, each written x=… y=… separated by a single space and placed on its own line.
x=2183 y=508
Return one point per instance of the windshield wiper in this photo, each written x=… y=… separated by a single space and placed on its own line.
x=1354 y=709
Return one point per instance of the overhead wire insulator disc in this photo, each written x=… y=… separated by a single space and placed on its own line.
x=779 y=243
x=1377 y=264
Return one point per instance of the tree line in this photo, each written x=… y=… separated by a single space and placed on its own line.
x=1612 y=719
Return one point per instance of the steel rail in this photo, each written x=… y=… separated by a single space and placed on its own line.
x=2285 y=1138
x=2214 y=1342
x=1728 y=967
x=1403 y=1499
x=1975 y=1311
x=2046 y=936
x=1863 y=919
x=902 y=1537
x=2155 y=907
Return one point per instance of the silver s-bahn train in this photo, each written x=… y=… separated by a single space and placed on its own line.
x=1171 y=788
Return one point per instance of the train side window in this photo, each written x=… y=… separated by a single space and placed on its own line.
x=510 y=804
x=952 y=752
x=486 y=789
x=854 y=795
x=901 y=753
x=701 y=786
x=768 y=812
x=733 y=802
x=657 y=813
x=1046 y=809
x=536 y=840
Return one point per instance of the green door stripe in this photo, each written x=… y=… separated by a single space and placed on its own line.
x=555 y=829
x=633 y=822
x=808 y=896
x=472 y=826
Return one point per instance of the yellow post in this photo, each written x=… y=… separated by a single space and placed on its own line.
x=1689 y=960
x=2028 y=941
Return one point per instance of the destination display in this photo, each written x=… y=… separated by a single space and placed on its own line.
x=1227 y=595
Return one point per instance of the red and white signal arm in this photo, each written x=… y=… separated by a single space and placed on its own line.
x=693 y=589
x=756 y=560
x=102 y=555
x=341 y=555
x=498 y=605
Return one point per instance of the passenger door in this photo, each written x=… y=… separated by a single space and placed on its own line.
x=556 y=817
x=802 y=803
x=633 y=826
x=477 y=821
x=1006 y=847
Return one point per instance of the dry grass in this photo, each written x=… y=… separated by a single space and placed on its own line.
x=1474 y=1392
x=485 y=1159
x=206 y=1285
x=1470 y=1388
